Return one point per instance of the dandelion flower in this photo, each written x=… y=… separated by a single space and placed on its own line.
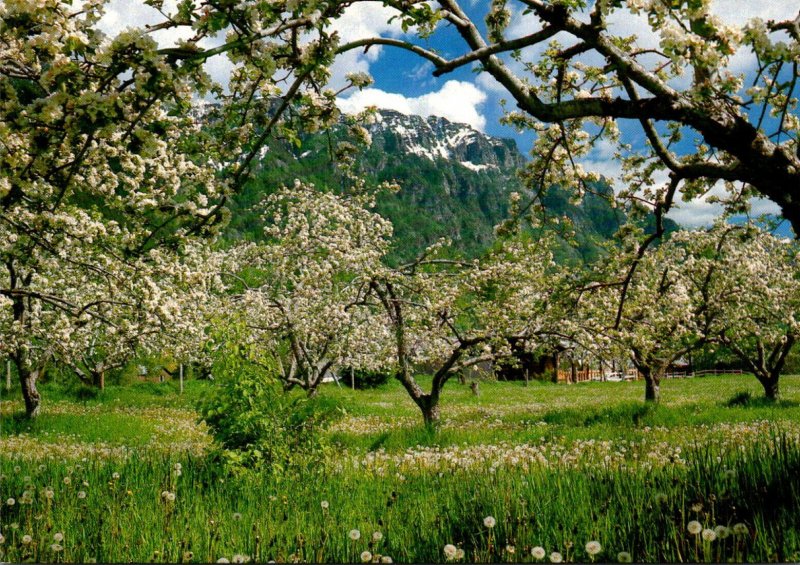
x=593 y=547
x=26 y=539
x=709 y=535
x=325 y=505
x=223 y=560
x=81 y=494
x=58 y=537
x=366 y=556
x=740 y=529
x=538 y=552
x=722 y=532
x=556 y=557
x=377 y=536
x=450 y=551
x=694 y=527
x=624 y=557
x=56 y=547
x=386 y=559
x=237 y=516
x=489 y=522
x=354 y=535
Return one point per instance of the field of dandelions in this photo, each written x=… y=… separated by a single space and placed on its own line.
x=538 y=474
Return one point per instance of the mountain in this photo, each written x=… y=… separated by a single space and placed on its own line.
x=455 y=182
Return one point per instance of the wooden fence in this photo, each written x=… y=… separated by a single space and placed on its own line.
x=585 y=375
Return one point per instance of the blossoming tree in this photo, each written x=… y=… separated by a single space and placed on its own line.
x=655 y=325
x=452 y=314
x=746 y=283
x=300 y=287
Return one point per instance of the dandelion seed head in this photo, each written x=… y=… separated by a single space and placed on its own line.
x=366 y=556
x=188 y=556
x=56 y=547
x=694 y=527
x=593 y=547
x=450 y=551
x=354 y=535
x=624 y=557
x=67 y=480
x=240 y=558
x=722 y=532
x=81 y=494
x=223 y=560
x=325 y=505
x=740 y=529
x=58 y=537
x=386 y=559
x=489 y=522
x=510 y=549
x=556 y=557
x=11 y=502
x=237 y=516
x=26 y=539
x=377 y=536
x=115 y=476
x=538 y=552
x=709 y=535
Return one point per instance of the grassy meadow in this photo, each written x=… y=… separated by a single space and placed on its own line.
x=538 y=473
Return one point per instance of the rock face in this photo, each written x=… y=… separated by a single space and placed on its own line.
x=438 y=138
x=455 y=182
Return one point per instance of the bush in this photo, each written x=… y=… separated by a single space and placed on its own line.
x=364 y=378
x=258 y=426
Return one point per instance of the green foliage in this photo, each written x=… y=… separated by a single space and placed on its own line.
x=364 y=378
x=256 y=424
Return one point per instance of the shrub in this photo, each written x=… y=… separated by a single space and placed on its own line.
x=258 y=426
x=364 y=378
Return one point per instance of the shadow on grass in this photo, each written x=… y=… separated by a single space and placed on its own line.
x=745 y=399
x=626 y=414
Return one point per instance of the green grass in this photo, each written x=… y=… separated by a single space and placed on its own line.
x=555 y=465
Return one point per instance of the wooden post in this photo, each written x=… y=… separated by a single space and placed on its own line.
x=8 y=375
x=526 y=376
x=352 y=378
x=180 y=372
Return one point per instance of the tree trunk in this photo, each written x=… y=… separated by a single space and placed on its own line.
x=33 y=400
x=99 y=378
x=430 y=413
x=770 y=384
x=652 y=383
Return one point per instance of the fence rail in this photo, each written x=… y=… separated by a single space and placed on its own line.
x=586 y=375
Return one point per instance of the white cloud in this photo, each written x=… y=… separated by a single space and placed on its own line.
x=457 y=101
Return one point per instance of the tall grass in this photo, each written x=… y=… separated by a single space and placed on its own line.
x=642 y=512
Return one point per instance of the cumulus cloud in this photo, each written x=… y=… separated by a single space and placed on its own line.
x=457 y=101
